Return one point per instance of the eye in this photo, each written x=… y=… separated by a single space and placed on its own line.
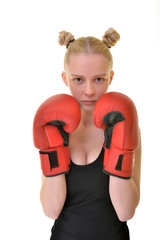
x=78 y=79
x=98 y=79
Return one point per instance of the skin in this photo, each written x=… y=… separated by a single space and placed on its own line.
x=88 y=78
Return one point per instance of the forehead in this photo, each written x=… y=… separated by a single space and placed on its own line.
x=88 y=62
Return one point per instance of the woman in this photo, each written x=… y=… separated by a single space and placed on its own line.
x=86 y=203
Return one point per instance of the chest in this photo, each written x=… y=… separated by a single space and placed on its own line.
x=85 y=145
x=87 y=183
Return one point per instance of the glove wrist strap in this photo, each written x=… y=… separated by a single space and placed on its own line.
x=55 y=161
x=118 y=162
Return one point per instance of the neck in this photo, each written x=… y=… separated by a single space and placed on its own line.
x=87 y=118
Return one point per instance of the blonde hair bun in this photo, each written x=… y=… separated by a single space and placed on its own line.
x=110 y=37
x=65 y=38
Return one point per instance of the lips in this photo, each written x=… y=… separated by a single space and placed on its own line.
x=89 y=102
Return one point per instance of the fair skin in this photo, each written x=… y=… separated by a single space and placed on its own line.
x=88 y=78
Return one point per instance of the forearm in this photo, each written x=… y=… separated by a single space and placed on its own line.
x=53 y=195
x=124 y=196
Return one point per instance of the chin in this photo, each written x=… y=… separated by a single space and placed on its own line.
x=88 y=108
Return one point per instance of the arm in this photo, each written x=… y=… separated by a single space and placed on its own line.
x=53 y=195
x=58 y=116
x=116 y=114
x=125 y=194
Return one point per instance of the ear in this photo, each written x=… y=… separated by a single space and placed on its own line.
x=111 y=76
x=64 y=78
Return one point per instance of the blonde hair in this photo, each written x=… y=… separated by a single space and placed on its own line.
x=89 y=45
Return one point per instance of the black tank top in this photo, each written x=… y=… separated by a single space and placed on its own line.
x=88 y=213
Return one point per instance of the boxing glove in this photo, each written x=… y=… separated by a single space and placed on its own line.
x=116 y=114
x=54 y=120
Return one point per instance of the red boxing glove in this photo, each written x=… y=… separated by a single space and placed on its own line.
x=54 y=120
x=116 y=114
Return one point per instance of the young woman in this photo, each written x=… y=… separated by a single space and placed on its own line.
x=86 y=203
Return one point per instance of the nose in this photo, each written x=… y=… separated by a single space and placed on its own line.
x=89 y=89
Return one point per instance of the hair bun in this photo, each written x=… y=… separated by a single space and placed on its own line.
x=110 y=37
x=65 y=38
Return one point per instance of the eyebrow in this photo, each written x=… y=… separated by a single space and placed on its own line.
x=76 y=75
x=99 y=75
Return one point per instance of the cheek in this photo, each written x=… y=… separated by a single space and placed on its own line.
x=103 y=89
x=75 y=91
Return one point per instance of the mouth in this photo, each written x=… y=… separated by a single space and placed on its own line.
x=89 y=102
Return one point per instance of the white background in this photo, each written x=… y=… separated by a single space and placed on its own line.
x=31 y=62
